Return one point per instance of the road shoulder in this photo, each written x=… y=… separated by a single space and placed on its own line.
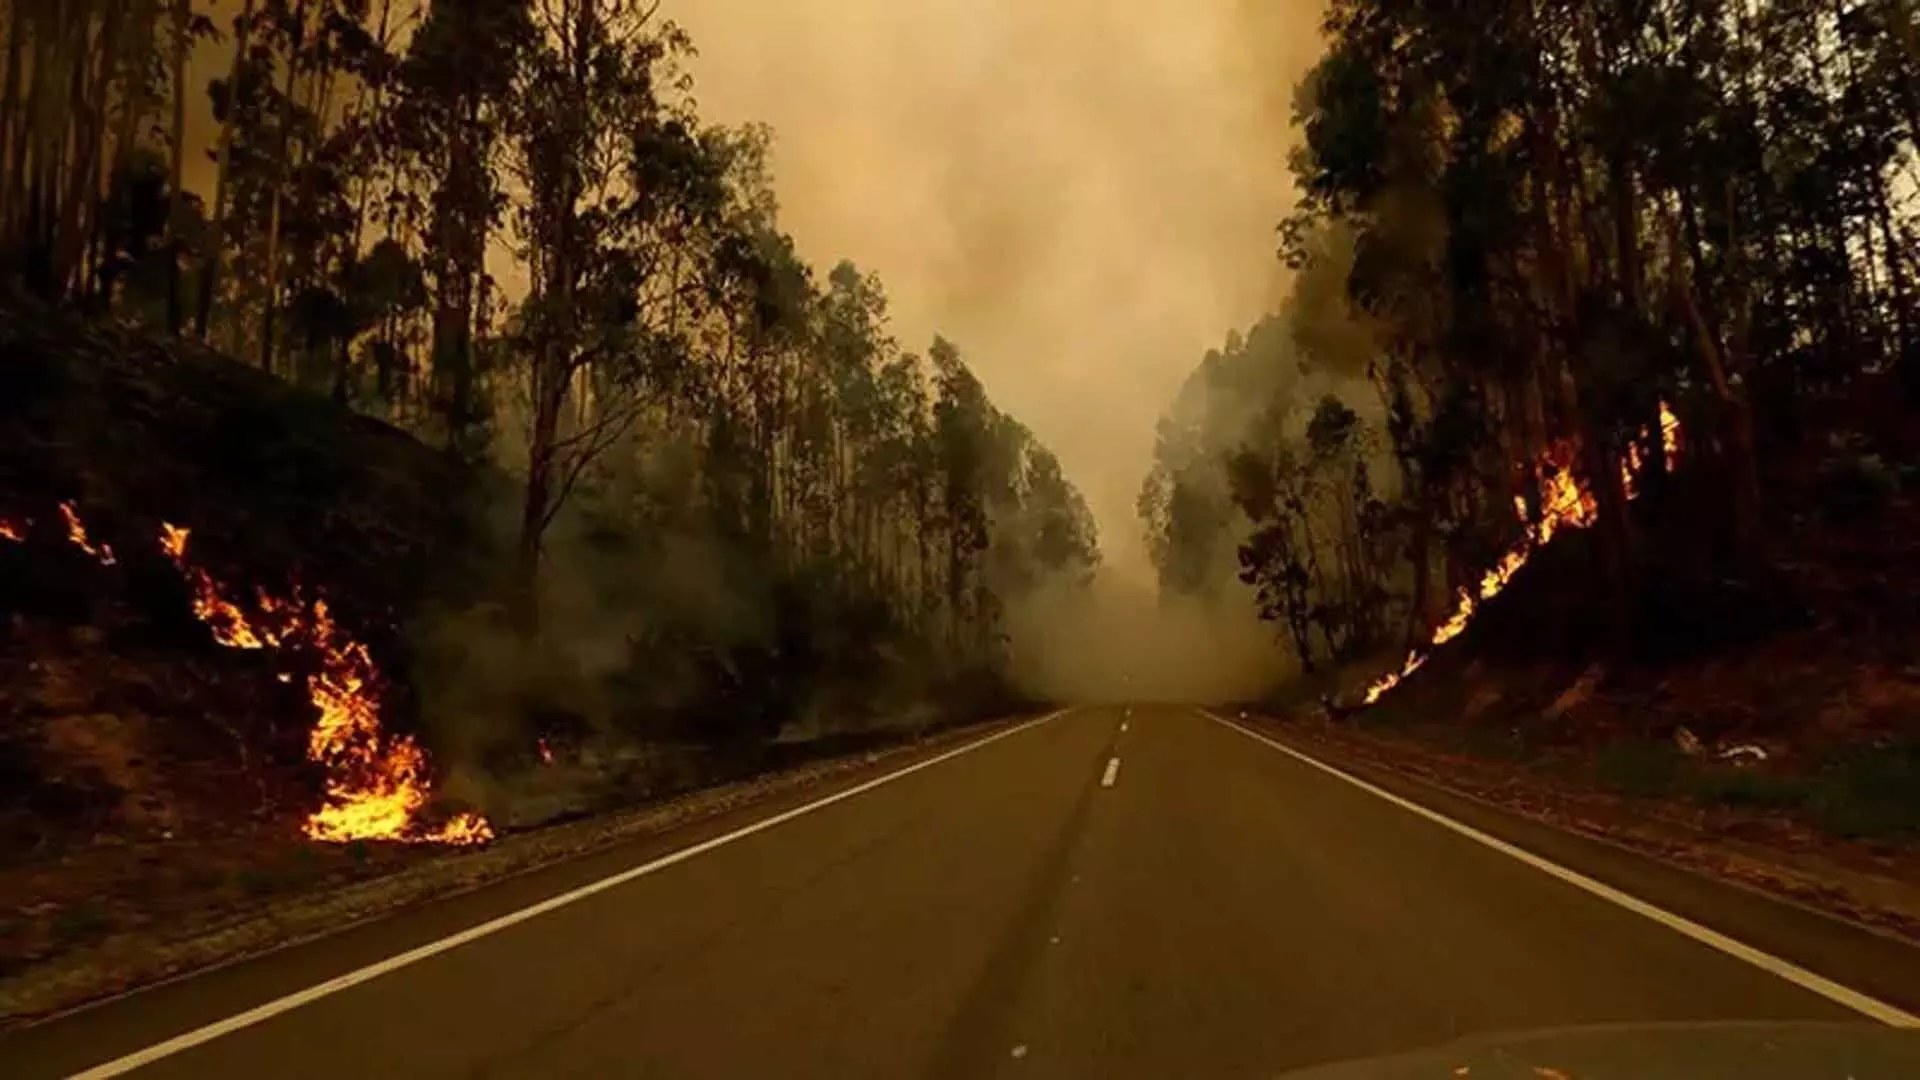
x=1871 y=960
x=516 y=870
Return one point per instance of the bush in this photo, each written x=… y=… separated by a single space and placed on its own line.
x=1500 y=744
x=1857 y=488
x=1748 y=789
x=1870 y=793
x=1642 y=768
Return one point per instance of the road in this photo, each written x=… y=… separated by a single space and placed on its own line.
x=1108 y=892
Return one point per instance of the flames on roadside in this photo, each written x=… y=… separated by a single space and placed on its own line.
x=77 y=533
x=377 y=783
x=1565 y=504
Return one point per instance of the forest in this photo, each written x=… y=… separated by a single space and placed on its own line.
x=1553 y=257
x=699 y=476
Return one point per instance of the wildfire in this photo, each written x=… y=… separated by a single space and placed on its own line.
x=12 y=530
x=546 y=752
x=77 y=533
x=1564 y=504
x=376 y=784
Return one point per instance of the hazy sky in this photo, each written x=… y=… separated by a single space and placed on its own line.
x=1082 y=194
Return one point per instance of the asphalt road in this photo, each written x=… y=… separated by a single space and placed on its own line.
x=1109 y=893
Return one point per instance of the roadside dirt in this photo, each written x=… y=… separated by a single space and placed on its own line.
x=1876 y=884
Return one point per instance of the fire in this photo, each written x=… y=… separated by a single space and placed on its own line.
x=376 y=784
x=1669 y=445
x=546 y=752
x=77 y=532
x=1564 y=504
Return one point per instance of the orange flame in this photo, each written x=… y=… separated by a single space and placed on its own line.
x=1564 y=504
x=546 y=752
x=376 y=784
x=13 y=530
x=77 y=533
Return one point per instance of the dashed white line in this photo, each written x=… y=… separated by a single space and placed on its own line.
x=1785 y=969
x=1113 y=771
x=1123 y=725
x=288 y=1003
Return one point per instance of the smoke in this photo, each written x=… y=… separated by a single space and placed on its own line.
x=1083 y=194
x=1120 y=640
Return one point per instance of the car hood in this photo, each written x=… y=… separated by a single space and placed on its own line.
x=1733 y=1051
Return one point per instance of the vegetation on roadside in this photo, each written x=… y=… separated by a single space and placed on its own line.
x=464 y=321
x=1524 y=231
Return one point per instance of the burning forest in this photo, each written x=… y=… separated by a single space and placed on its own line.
x=1565 y=504
x=377 y=783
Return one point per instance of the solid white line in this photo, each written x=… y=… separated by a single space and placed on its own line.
x=1113 y=771
x=260 y=1013
x=1793 y=973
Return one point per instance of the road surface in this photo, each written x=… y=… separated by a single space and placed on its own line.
x=1108 y=892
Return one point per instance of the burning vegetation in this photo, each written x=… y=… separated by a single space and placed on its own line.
x=77 y=533
x=1565 y=504
x=377 y=783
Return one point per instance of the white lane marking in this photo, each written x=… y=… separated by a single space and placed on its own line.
x=259 y=1013
x=1123 y=725
x=1113 y=770
x=1020 y=1051
x=1739 y=950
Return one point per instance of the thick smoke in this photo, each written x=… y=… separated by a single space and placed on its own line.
x=1085 y=194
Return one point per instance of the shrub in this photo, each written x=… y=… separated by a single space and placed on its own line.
x=1640 y=768
x=1748 y=788
x=1870 y=792
x=1856 y=488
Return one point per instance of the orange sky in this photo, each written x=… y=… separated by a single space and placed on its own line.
x=1081 y=193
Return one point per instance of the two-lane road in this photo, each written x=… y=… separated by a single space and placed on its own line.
x=1110 y=892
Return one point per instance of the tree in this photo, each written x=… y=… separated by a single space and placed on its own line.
x=453 y=100
x=1528 y=226
x=675 y=376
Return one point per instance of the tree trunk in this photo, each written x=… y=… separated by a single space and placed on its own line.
x=216 y=228
x=536 y=509
x=89 y=138
x=270 y=308
x=10 y=132
x=176 y=171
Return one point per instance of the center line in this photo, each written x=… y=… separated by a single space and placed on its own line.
x=1113 y=770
